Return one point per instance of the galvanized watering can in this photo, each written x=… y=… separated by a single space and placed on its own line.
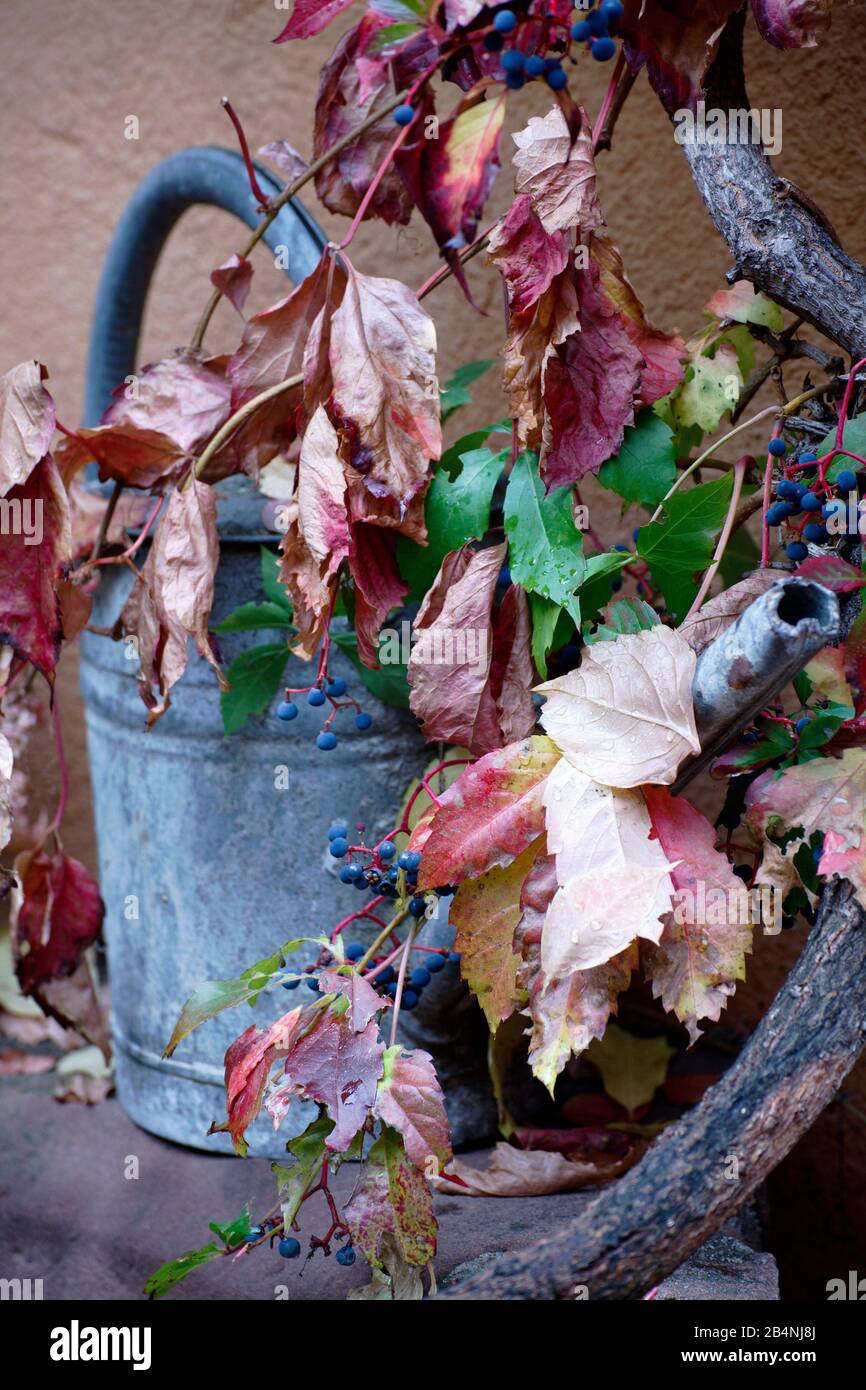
x=208 y=860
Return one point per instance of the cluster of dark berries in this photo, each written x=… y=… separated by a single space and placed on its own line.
x=328 y=689
x=416 y=981
x=380 y=870
x=804 y=506
x=521 y=67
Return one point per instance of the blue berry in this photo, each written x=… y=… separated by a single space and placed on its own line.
x=455 y=957
x=556 y=79
x=417 y=907
x=777 y=447
x=393 y=874
x=291 y=984
x=419 y=978
x=809 y=458
x=829 y=509
x=597 y=22
x=777 y=513
x=361 y=882
x=534 y=66
x=290 y=1248
x=810 y=503
x=435 y=964
x=616 y=585
x=350 y=873
x=514 y=81
x=800 y=490
x=287 y=710
x=513 y=61
x=795 y=551
x=493 y=42
x=326 y=741
x=355 y=951
x=802 y=724
x=363 y=720
x=387 y=975
x=410 y=999
x=744 y=872
x=404 y=115
x=815 y=533
x=316 y=696
x=623 y=549
x=505 y=22
x=387 y=850
x=847 y=480
x=339 y=847
x=313 y=983
x=786 y=489
x=749 y=737
x=581 y=31
x=412 y=877
x=817 y=853
x=346 y=1256
x=254 y=1233
x=410 y=859
x=339 y=830
x=336 y=687
x=603 y=49
x=612 y=10
x=391 y=991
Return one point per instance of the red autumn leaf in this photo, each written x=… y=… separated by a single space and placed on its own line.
x=663 y=353
x=450 y=177
x=316 y=540
x=449 y=668
x=26 y=423
x=339 y=1068
x=33 y=559
x=123 y=453
x=833 y=572
x=529 y=349
x=233 y=279
x=490 y=815
x=185 y=398
x=392 y=1198
x=485 y=913
x=512 y=672
x=591 y=383
x=379 y=586
x=58 y=914
x=528 y=257
x=386 y=396
x=699 y=959
x=676 y=40
x=248 y=1063
x=174 y=599
x=342 y=183
x=410 y=1100
x=364 y=1002
x=310 y=17
x=792 y=23
x=556 y=168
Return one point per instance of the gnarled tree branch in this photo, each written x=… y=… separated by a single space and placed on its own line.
x=779 y=240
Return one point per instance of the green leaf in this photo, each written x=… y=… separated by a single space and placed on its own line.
x=632 y=1069
x=392 y=34
x=252 y=617
x=545 y=548
x=255 y=677
x=271 y=585
x=712 y=388
x=626 y=615
x=171 y=1273
x=457 y=509
x=596 y=592
x=551 y=629
x=308 y=1150
x=456 y=392
x=682 y=544
x=853 y=438
x=232 y=1233
x=389 y=683
x=645 y=466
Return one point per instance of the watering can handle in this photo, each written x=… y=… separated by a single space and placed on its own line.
x=202 y=174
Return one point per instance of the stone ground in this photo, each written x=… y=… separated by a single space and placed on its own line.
x=70 y=1217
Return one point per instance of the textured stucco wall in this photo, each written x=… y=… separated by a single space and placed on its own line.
x=73 y=73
